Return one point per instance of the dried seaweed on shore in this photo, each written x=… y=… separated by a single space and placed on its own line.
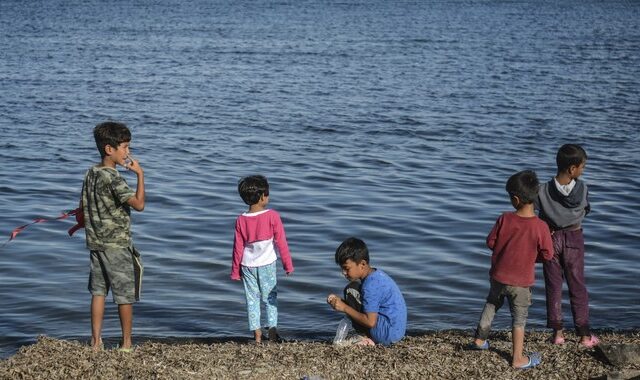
x=435 y=355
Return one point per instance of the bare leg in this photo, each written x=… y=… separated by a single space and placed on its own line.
x=558 y=335
x=97 y=314
x=258 y=335
x=126 y=322
x=517 y=340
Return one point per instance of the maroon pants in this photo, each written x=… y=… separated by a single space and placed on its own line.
x=567 y=263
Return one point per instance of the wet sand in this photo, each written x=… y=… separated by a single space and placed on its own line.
x=432 y=355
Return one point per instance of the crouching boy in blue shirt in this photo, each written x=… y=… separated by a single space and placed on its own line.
x=372 y=300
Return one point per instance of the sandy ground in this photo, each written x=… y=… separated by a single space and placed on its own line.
x=433 y=355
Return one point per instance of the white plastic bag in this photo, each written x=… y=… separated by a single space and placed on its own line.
x=342 y=331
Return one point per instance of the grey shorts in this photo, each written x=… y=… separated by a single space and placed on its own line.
x=119 y=270
x=519 y=301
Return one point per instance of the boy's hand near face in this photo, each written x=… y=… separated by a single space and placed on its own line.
x=137 y=201
x=133 y=165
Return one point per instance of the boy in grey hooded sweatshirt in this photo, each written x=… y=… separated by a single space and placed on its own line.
x=563 y=203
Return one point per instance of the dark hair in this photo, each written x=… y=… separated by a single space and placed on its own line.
x=252 y=188
x=110 y=133
x=354 y=249
x=523 y=185
x=570 y=155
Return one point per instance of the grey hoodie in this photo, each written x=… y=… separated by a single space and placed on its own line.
x=562 y=211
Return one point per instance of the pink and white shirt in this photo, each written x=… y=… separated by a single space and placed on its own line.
x=259 y=237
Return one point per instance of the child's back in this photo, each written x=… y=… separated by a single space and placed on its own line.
x=380 y=294
x=259 y=237
x=107 y=215
x=517 y=240
x=562 y=209
x=563 y=203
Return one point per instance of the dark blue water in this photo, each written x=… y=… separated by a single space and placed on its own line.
x=397 y=122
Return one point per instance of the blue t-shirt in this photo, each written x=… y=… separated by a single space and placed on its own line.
x=381 y=295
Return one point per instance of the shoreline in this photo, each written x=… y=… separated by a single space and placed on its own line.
x=431 y=354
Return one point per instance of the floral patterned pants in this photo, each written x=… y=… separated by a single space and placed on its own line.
x=260 y=285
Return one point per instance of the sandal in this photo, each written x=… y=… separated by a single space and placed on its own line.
x=534 y=360
x=484 y=346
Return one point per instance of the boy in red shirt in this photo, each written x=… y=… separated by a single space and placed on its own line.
x=518 y=240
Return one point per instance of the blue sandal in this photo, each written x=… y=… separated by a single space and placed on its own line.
x=482 y=347
x=534 y=360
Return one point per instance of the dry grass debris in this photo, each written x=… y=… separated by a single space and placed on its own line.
x=434 y=355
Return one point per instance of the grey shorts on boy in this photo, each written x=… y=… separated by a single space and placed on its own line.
x=519 y=302
x=118 y=269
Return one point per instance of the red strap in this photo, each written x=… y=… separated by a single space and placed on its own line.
x=77 y=212
x=79 y=219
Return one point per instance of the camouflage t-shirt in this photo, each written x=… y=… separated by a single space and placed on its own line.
x=106 y=212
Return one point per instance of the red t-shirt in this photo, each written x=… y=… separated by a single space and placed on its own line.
x=517 y=242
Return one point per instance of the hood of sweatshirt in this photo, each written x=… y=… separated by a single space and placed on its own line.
x=572 y=200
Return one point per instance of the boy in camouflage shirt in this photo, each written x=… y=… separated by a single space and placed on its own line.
x=106 y=202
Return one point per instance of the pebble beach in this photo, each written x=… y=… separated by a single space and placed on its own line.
x=432 y=355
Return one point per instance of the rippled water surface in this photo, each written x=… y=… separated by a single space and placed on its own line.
x=397 y=122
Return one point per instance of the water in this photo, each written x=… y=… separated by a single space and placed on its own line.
x=397 y=122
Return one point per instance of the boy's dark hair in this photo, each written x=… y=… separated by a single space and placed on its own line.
x=354 y=249
x=252 y=188
x=110 y=133
x=523 y=185
x=570 y=155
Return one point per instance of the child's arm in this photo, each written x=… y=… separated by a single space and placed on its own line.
x=587 y=208
x=545 y=246
x=238 y=251
x=368 y=320
x=137 y=201
x=280 y=238
x=79 y=214
x=493 y=235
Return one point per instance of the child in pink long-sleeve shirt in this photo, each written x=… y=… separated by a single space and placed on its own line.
x=259 y=237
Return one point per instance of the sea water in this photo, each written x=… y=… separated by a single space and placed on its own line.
x=394 y=121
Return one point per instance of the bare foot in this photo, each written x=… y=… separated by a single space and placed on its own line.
x=125 y=343
x=589 y=341
x=558 y=337
x=366 y=342
x=523 y=361
x=97 y=346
